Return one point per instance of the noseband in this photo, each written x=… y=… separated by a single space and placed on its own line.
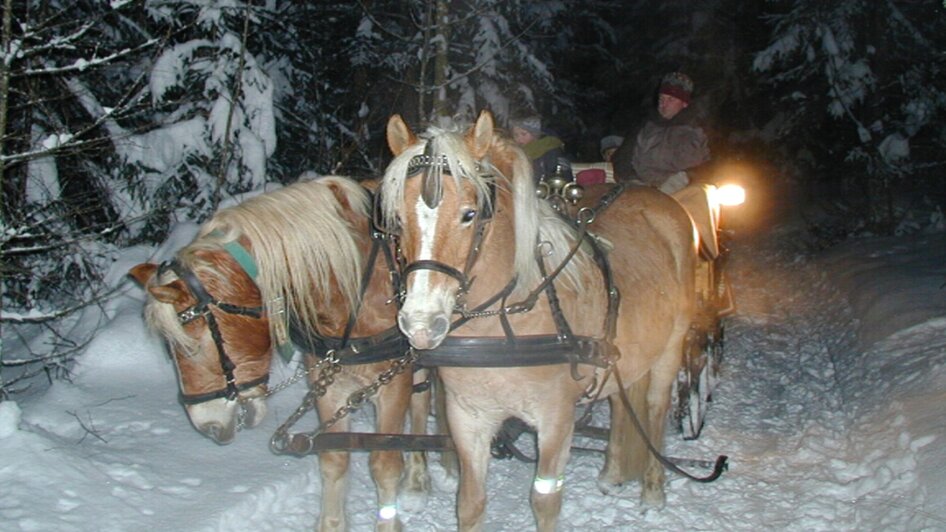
x=202 y=308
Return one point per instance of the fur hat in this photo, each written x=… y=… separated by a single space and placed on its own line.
x=678 y=85
x=611 y=141
x=532 y=124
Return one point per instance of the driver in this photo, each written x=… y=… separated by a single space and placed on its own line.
x=668 y=144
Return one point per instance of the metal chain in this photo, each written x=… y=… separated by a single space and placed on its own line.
x=294 y=378
x=358 y=398
x=330 y=367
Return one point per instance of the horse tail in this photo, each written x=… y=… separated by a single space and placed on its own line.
x=627 y=455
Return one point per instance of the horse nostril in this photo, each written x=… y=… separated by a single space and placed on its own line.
x=440 y=327
x=216 y=432
x=212 y=430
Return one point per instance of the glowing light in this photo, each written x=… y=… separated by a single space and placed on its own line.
x=546 y=486
x=387 y=511
x=730 y=195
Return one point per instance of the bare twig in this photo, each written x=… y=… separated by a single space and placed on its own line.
x=87 y=429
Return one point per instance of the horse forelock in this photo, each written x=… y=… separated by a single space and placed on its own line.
x=443 y=143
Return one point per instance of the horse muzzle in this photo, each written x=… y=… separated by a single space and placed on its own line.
x=424 y=330
x=220 y=419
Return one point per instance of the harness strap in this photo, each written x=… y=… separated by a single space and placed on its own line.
x=387 y=345
x=561 y=323
x=204 y=300
x=243 y=258
x=197 y=398
x=496 y=352
x=365 y=281
x=718 y=467
x=437 y=267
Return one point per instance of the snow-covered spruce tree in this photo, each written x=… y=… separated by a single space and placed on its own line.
x=321 y=95
x=59 y=232
x=214 y=103
x=110 y=133
x=456 y=58
x=867 y=78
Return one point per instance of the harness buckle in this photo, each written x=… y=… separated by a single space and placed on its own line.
x=190 y=314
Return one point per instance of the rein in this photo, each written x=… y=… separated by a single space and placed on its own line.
x=202 y=308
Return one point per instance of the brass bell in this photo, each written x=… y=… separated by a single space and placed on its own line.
x=542 y=190
x=573 y=192
x=556 y=182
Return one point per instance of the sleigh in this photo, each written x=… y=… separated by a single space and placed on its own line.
x=703 y=350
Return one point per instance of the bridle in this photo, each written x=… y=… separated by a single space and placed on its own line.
x=432 y=168
x=203 y=309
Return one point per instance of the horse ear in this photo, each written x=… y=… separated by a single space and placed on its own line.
x=480 y=137
x=143 y=272
x=172 y=293
x=400 y=136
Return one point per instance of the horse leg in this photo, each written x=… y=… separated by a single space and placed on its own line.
x=448 y=459
x=333 y=468
x=658 y=403
x=386 y=466
x=662 y=375
x=554 y=444
x=626 y=455
x=472 y=437
x=416 y=482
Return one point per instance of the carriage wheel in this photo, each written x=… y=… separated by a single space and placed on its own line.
x=694 y=401
x=693 y=389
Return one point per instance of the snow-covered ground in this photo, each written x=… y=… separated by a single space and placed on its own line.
x=830 y=409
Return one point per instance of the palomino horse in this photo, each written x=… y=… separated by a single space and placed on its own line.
x=220 y=303
x=479 y=243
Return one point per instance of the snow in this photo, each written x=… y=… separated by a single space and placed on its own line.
x=829 y=407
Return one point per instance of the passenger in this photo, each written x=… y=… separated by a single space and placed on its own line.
x=545 y=151
x=668 y=144
x=609 y=145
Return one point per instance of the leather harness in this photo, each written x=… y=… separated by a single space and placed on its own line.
x=511 y=350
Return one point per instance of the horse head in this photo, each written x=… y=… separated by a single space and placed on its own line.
x=211 y=314
x=446 y=190
x=305 y=259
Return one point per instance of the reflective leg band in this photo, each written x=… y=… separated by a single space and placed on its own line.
x=387 y=511
x=546 y=486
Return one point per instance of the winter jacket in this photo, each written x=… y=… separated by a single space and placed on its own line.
x=544 y=153
x=661 y=148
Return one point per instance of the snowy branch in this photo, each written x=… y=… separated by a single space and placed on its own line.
x=84 y=64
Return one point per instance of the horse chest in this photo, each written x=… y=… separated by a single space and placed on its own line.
x=486 y=392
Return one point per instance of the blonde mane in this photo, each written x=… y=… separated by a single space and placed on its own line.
x=535 y=220
x=301 y=243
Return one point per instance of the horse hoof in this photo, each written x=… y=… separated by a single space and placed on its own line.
x=393 y=525
x=653 y=499
x=444 y=481
x=412 y=501
x=613 y=489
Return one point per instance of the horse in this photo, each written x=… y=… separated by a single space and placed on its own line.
x=222 y=303
x=477 y=242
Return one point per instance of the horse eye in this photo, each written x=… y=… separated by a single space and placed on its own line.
x=468 y=216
